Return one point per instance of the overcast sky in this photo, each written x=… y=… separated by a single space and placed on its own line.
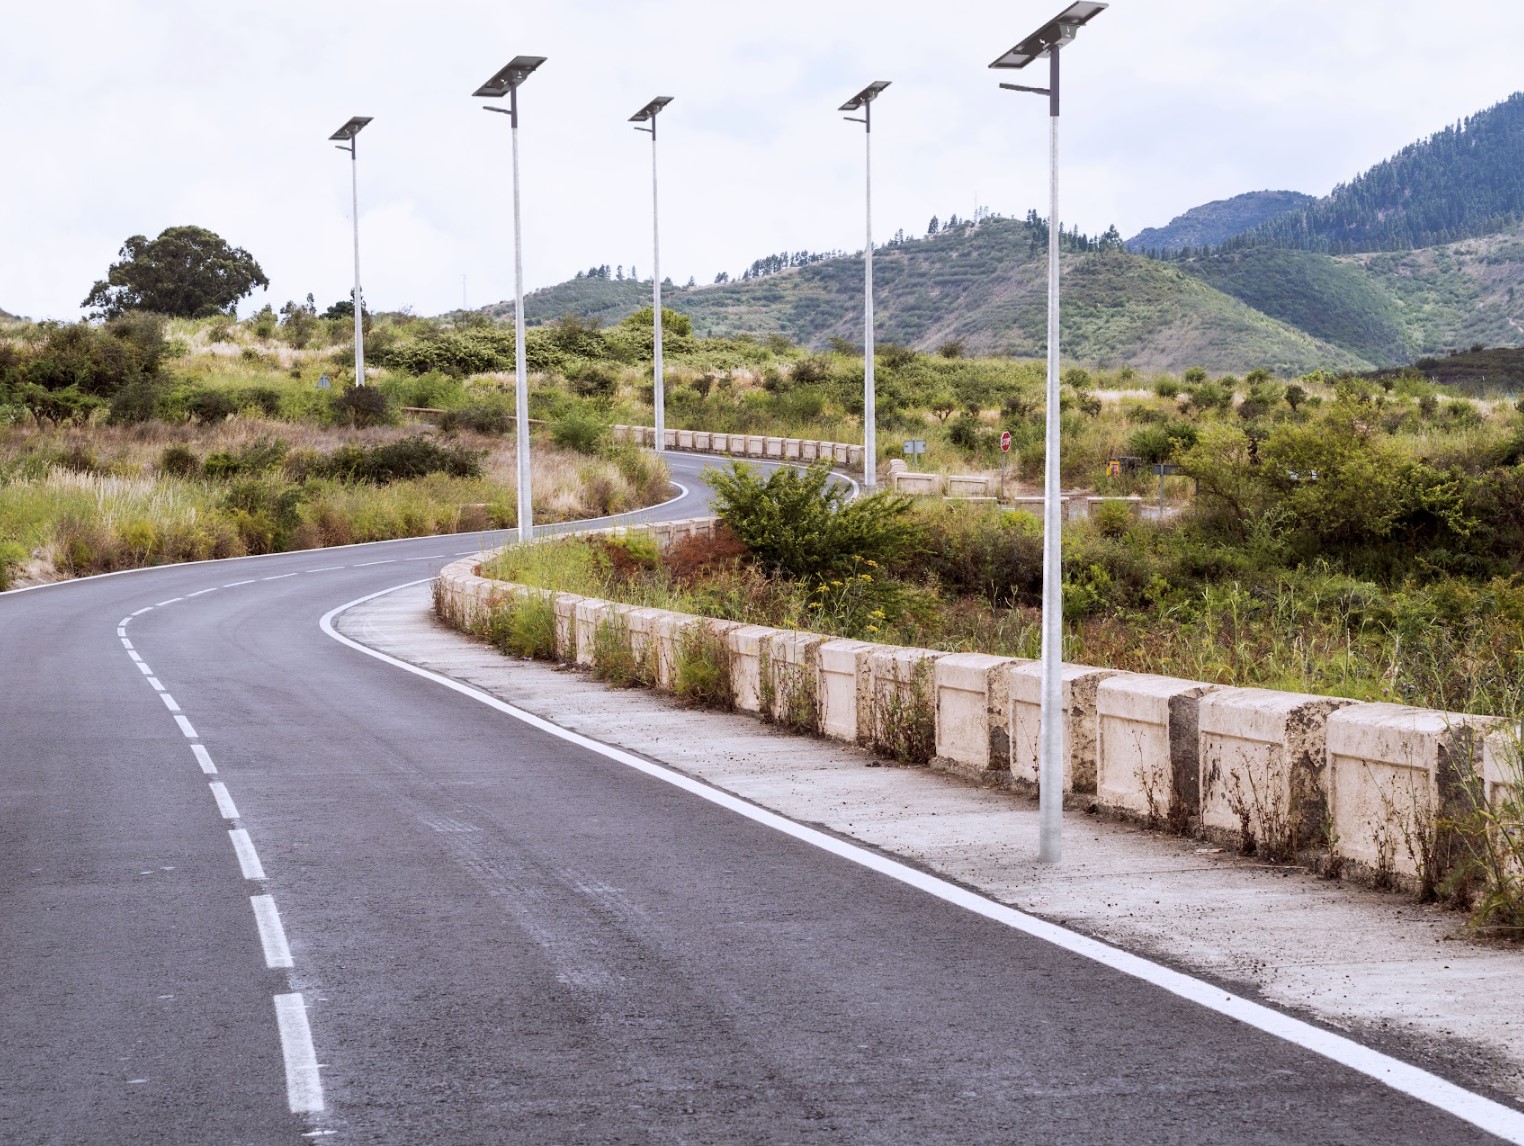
x=124 y=117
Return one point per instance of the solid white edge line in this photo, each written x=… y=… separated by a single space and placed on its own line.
x=248 y=858
x=185 y=727
x=169 y=701
x=272 y=935
x=225 y=803
x=1484 y=1113
x=204 y=758
x=304 y=1087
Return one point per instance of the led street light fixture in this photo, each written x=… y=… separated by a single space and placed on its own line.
x=1055 y=34
x=866 y=96
x=352 y=128
x=517 y=71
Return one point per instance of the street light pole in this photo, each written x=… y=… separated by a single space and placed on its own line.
x=658 y=389
x=863 y=101
x=506 y=82
x=1048 y=41
x=347 y=133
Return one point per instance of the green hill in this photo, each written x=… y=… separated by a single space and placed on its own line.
x=1212 y=224
x=986 y=287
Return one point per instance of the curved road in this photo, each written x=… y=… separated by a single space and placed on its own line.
x=257 y=887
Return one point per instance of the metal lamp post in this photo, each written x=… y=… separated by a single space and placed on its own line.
x=346 y=135
x=506 y=83
x=648 y=114
x=1048 y=41
x=863 y=102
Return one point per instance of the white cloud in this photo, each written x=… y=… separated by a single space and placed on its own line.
x=129 y=116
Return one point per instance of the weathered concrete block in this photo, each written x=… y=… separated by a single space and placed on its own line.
x=685 y=439
x=809 y=451
x=838 y=689
x=772 y=447
x=1078 y=687
x=756 y=446
x=620 y=432
x=1148 y=757
x=666 y=634
x=791 y=679
x=792 y=448
x=747 y=644
x=839 y=453
x=641 y=625
x=972 y=737
x=564 y=605
x=854 y=457
x=1264 y=768
x=902 y=702
x=702 y=440
x=1394 y=774
x=968 y=485
x=917 y=484
x=897 y=465
x=590 y=613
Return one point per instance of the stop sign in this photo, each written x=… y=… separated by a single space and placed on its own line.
x=1005 y=442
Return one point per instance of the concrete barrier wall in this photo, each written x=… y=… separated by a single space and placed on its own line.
x=1278 y=773
x=746 y=445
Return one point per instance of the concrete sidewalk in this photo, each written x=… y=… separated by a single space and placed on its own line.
x=1401 y=977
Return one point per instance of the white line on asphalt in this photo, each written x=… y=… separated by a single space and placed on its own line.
x=304 y=1089
x=1493 y=1117
x=204 y=758
x=121 y=630
x=140 y=612
x=137 y=659
x=171 y=601
x=248 y=858
x=169 y=701
x=185 y=727
x=281 y=576
x=325 y=568
x=144 y=669
x=272 y=936
x=153 y=680
x=366 y=564
x=225 y=803
x=126 y=644
x=200 y=592
x=235 y=584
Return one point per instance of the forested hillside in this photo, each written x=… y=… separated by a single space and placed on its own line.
x=1214 y=223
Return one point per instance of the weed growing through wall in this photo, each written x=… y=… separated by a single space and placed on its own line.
x=525 y=627
x=614 y=659
x=905 y=727
x=1493 y=841
x=790 y=692
x=701 y=672
x=1264 y=826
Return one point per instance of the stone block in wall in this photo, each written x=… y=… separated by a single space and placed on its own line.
x=667 y=635
x=620 y=432
x=669 y=439
x=590 y=613
x=968 y=485
x=917 y=484
x=772 y=447
x=839 y=453
x=564 y=605
x=838 y=689
x=756 y=446
x=1264 y=768
x=855 y=457
x=809 y=451
x=641 y=625
x=747 y=644
x=685 y=439
x=791 y=679
x=1394 y=774
x=792 y=449
x=1078 y=685
x=972 y=734
x=901 y=700
x=1148 y=755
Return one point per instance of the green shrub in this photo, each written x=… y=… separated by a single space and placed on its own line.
x=179 y=461
x=581 y=431
x=525 y=627
x=480 y=417
x=701 y=675
x=400 y=460
x=362 y=406
x=614 y=660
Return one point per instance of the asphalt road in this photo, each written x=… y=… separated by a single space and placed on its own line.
x=256 y=887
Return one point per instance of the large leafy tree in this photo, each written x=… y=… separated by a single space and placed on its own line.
x=187 y=272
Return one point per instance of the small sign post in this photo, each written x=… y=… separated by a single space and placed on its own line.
x=1005 y=449
x=324 y=382
x=1164 y=471
x=915 y=446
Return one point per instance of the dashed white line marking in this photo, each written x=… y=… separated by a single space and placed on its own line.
x=248 y=858
x=366 y=564
x=225 y=803
x=304 y=1089
x=282 y=576
x=153 y=680
x=142 y=664
x=169 y=701
x=434 y=557
x=121 y=630
x=235 y=584
x=271 y=934
x=185 y=727
x=201 y=592
x=141 y=611
x=464 y=553
x=171 y=601
x=204 y=758
x=1402 y=1077
x=324 y=569
x=126 y=644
